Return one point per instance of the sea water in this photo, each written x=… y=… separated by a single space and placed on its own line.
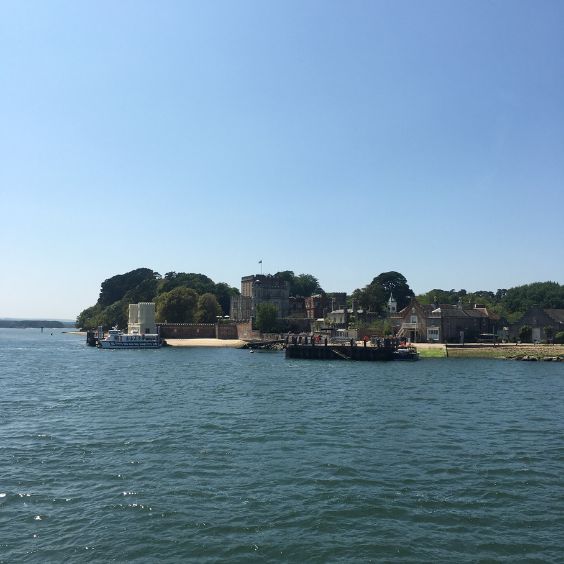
x=218 y=455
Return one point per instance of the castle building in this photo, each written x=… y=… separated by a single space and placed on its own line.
x=257 y=289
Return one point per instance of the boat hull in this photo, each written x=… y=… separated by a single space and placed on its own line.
x=409 y=354
x=126 y=345
x=116 y=339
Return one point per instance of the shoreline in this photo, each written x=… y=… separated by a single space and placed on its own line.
x=501 y=351
x=508 y=351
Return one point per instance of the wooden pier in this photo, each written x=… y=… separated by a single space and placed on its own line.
x=339 y=352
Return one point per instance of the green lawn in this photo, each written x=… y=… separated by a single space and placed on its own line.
x=432 y=353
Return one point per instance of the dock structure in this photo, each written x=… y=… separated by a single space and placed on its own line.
x=339 y=352
x=92 y=338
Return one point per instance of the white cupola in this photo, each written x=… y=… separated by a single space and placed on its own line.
x=392 y=305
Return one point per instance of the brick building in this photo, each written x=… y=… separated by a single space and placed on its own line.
x=317 y=306
x=539 y=320
x=444 y=322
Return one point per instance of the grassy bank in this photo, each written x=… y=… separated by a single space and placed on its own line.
x=512 y=351
x=435 y=352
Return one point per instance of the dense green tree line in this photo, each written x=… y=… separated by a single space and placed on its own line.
x=179 y=297
x=510 y=303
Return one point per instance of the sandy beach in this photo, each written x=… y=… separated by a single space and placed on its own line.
x=230 y=343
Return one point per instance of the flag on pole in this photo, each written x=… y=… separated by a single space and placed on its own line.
x=260 y=261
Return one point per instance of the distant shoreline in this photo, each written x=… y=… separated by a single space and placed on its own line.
x=35 y=324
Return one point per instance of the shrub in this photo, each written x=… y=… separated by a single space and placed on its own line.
x=559 y=338
x=525 y=334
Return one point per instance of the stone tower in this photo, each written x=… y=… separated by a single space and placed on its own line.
x=142 y=318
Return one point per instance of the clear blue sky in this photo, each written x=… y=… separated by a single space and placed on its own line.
x=341 y=139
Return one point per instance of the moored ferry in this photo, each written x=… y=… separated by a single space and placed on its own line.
x=117 y=339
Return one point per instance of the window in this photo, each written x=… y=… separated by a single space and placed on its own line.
x=433 y=334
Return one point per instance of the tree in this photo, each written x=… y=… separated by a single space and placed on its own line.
x=177 y=306
x=559 y=337
x=452 y=297
x=375 y=295
x=89 y=317
x=266 y=320
x=370 y=298
x=538 y=294
x=208 y=309
x=115 y=315
x=223 y=292
x=114 y=289
x=198 y=282
x=438 y=296
x=143 y=292
x=303 y=285
x=525 y=334
x=287 y=275
x=500 y=294
x=394 y=283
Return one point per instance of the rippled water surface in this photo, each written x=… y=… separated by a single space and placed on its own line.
x=221 y=455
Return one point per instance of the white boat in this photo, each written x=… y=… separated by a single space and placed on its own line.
x=117 y=339
x=408 y=352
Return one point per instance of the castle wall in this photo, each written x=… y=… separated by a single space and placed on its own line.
x=198 y=330
x=187 y=330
